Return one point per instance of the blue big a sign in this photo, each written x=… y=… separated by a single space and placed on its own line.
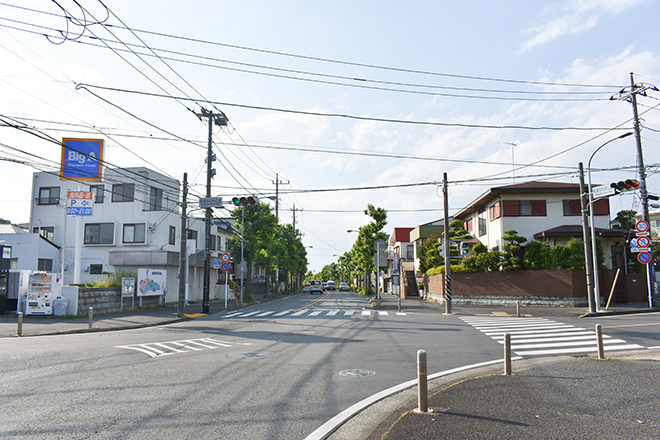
x=82 y=159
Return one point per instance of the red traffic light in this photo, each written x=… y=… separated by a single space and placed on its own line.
x=245 y=201
x=625 y=185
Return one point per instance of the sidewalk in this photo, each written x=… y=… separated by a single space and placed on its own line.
x=54 y=325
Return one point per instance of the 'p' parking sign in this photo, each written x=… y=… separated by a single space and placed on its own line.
x=82 y=159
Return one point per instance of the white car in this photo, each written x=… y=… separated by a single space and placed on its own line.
x=343 y=286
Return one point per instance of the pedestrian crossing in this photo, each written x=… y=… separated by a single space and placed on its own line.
x=311 y=313
x=158 y=349
x=541 y=336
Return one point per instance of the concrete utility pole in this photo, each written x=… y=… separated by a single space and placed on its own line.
x=277 y=215
x=588 y=265
x=631 y=97
x=183 y=257
x=220 y=120
x=447 y=254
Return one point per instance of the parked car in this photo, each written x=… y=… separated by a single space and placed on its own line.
x=306 y=288
x=316 y=286
x=331 y=285
x=343 y=286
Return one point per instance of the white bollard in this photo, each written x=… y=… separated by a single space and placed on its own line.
x=91 y=317
x=507 y=354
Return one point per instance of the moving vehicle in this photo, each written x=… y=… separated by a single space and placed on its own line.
x=316 y=286
x=306 y=288
x=331 y=285
x=343 y=286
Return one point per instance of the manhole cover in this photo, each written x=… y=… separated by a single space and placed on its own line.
x=254 y=354
x=357 y=373
x=304 y=332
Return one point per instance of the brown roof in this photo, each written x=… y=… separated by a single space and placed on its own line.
x=400 y=234
x=576 y=231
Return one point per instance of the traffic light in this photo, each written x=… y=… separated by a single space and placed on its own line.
x=245 y=201
x=623 y=186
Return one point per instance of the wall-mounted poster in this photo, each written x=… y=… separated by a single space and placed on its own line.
x=152 y=282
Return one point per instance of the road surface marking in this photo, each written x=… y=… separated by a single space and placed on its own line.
x=158 y=349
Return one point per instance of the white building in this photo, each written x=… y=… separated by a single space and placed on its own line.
x=136 y=223
x=29 y=251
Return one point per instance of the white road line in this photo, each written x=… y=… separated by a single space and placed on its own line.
x=194 y=341
x=578 y=350
x=233 y=314
x=299 y=312
x=591 y=337
x=265 y=313
x=366 y=312
x=401 y=313
x=536 y=332
x=167 y=347
x=382 y=313
x=349 y=312
x=333 y=312
x=517 y=336
x=283 y=312
x=141 y=349
x=316 y=313
x=187 y=346
x=251 y=313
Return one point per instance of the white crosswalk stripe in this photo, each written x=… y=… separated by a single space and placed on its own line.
x=540 y=336
x=157 y=349
x=310 y=313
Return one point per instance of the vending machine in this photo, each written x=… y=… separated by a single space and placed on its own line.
x=43 y=288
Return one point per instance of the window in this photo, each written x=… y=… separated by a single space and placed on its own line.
x=47 y=232
x=49 y=196
x=572 y=207
x=99 y=193
x=468 y=225
x=134 y=233
x=96 y=269
x=99 y=233
x=192 y=235
x=155 y=199
x=172 y=236
x=123 y=192
x=482 y=221
x=215 y=243
x=494 y=211
x=45 y=265
x=515 y=208
x=410 y=253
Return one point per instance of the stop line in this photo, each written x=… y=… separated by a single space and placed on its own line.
x=540 y=336
x=310 y=313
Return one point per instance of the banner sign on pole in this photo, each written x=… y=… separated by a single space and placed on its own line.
x=82 y=159
x=79 y=202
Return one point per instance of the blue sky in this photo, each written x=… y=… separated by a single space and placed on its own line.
x=511 y=46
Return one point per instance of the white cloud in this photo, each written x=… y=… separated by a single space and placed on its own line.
x=576 y=16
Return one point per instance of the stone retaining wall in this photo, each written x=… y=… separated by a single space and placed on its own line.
x=106 y=300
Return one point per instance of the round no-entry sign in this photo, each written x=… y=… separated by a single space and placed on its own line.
x=642 y=226
x=644 y=257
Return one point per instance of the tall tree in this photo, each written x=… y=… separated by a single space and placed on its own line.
x=363 y=248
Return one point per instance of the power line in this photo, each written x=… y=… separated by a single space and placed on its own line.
x=86 y=87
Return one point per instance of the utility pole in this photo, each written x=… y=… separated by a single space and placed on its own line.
x=183 y=257
x=277 y=215
x=294 y=218
x=221 y=120
x=588 y=265
x=447 y=254
x=632 y=98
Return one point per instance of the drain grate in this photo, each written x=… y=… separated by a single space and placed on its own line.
x=254 y=354
x=357 y=373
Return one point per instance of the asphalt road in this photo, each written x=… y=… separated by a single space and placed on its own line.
x=256 y=374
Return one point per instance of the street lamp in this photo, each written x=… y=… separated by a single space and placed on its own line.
x=591 y=221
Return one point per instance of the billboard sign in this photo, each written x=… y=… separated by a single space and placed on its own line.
x=82 y=159
x=152 y=282
x=79 y=202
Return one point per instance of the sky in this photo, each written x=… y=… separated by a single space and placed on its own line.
x=332 y=98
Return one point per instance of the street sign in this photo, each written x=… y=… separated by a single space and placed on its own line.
x=642 y=226
x=79 y=202
x=225 y=258
x=636 y=250
x=395 y=264
x=225 y=267
x=216 y=263
x=602 y=191
x=644 y=258
x=643 y=242
x=210 y=202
